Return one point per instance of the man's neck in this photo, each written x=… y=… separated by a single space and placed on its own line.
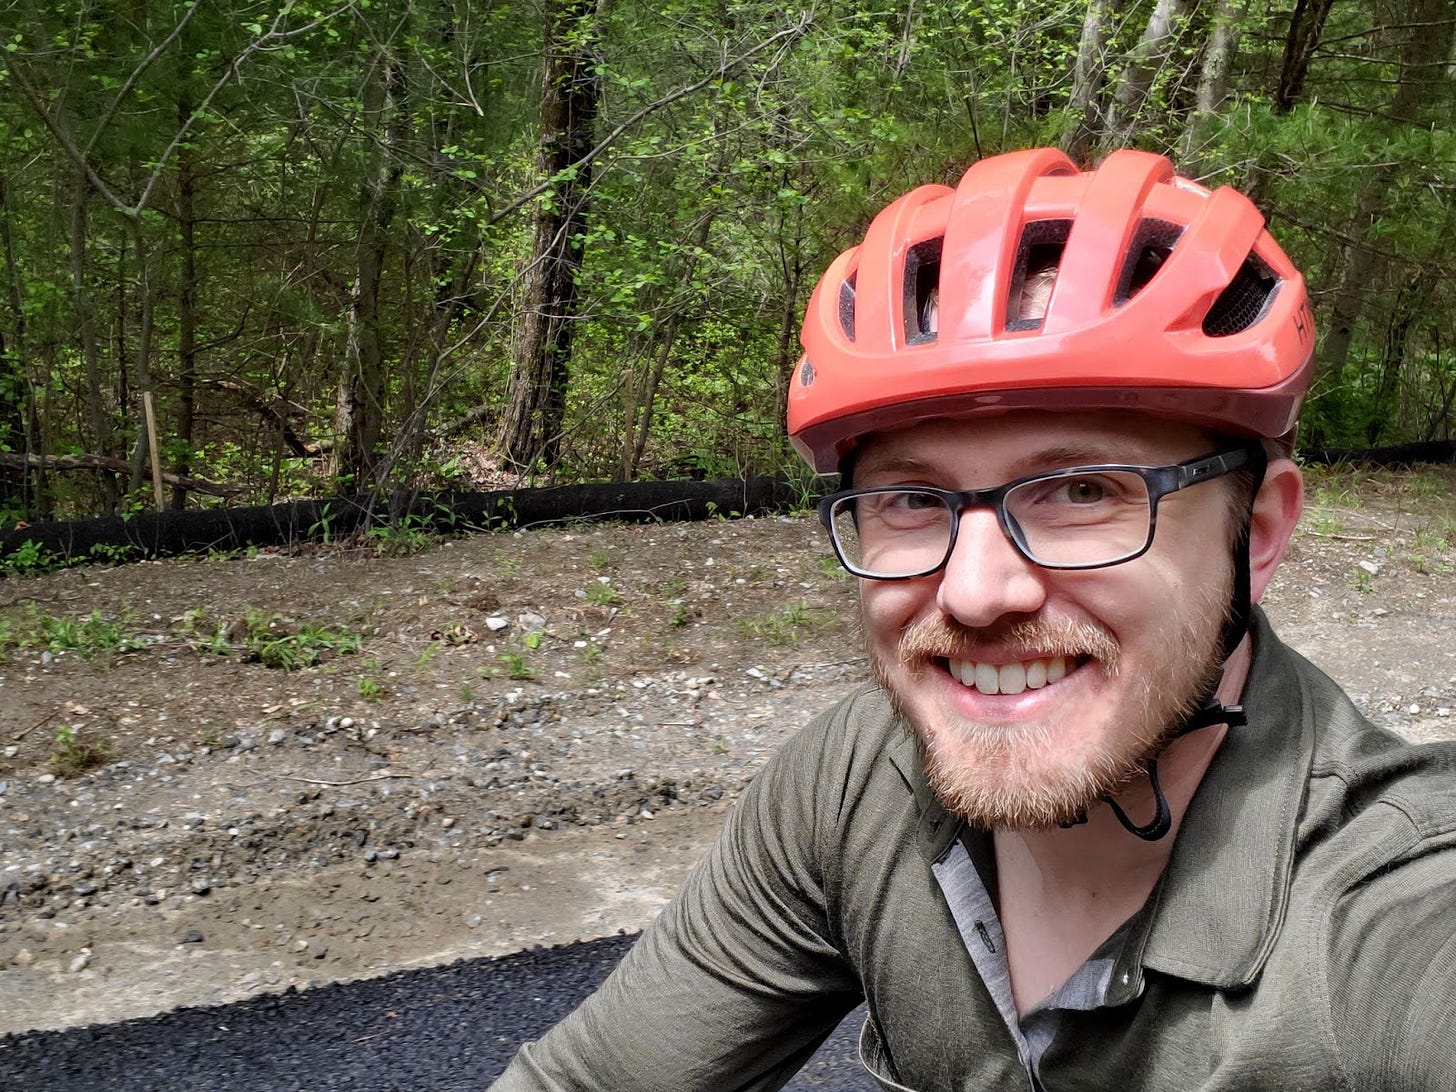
x=1061 y=893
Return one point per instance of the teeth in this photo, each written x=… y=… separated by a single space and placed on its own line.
x=1009 y=678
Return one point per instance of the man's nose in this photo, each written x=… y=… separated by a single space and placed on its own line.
x=986 y=577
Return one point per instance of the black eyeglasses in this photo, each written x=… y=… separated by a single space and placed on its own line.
x=1083 y=517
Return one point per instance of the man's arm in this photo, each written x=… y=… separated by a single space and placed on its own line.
x=1393 y=976
x=738 y=981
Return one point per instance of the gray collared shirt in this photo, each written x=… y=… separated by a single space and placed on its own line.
x=1302 y=937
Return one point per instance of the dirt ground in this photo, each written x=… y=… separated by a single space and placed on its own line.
x=505 y=740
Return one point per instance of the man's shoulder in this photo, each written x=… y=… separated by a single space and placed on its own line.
x=1360 y=769
x=855 y=733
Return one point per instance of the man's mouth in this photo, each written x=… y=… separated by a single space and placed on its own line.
x=1012 y=678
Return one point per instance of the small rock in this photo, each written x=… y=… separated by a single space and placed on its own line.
x=192 y=936
x=1371 y=567
x=495 y=623
x=277 y=736
x=23 y=957
x=46 y=779
x=81 y=962
x=201 y=886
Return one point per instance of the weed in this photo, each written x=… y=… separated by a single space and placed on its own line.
x=592 y=653
x=370 y=688
x=601 y=560
x=402 y=537
x=600 y=593
x=89 y=637
x=72 y=755
x=109 y=553
x=268 y=639
x=681 y=614
x=467 y=693
x=672 y=589
x=781 y=627
x=1364 y=581
x=1429 y=485
x=30 y=558
x=510 y=566
x=426 y=655
x=516 y=665
x=829 y=566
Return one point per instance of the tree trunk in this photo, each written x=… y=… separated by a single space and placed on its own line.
x=1160 y=36
x=1306 y=24
x=1085 y=107
x=20 y=491
x=186 y=311
x=541 y=347
x=359 y=418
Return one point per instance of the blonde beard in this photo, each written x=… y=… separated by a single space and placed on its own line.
x=997 y=777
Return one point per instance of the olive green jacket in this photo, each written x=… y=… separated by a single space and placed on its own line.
x=1303 y=936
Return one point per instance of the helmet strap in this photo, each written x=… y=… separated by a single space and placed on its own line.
x=1209 y=710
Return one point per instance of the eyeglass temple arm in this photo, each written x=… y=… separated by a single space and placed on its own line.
x=1212 y=467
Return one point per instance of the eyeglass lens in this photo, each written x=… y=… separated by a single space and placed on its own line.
x=1079 y=520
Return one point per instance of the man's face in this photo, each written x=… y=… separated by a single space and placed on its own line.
x=1036 y=692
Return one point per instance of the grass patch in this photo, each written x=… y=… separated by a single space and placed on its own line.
x=90 y=637
x=784 y=626
x=270 y=639
x=74 y=754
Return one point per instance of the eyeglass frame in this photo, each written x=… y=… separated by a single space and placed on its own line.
x=1159 y=481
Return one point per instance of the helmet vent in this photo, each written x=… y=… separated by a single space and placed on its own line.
x=922 y=292
x=1244 y=301
x=846 y=307
x=1153 y=241
x=1038 y=256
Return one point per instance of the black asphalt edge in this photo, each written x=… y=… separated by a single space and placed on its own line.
x=170 y=533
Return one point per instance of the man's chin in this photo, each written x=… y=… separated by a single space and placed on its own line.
x=989 y=798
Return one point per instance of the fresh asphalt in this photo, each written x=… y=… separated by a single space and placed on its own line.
x=433 y=1030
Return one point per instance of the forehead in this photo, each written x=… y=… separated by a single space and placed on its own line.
x=990 y=449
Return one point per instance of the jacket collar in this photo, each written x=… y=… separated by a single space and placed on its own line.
x=1226 y=888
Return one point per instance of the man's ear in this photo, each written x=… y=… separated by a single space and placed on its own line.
x=1277 y=506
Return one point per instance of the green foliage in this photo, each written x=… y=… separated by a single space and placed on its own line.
x=28 y=559
x=601 y=593
x=402 y=537
x=783 y=626
x=74 y=754
x=259 y=153
x=91 y=637
x=270 y=638
x=517 y=665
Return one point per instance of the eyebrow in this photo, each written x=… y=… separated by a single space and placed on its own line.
x=1050 y=458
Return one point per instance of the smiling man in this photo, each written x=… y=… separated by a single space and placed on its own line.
x=1092 y=826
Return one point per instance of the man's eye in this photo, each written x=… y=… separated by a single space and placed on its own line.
x=1084 y=491
x=917 y=501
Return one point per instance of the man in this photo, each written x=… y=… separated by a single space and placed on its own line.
x=1094 y=827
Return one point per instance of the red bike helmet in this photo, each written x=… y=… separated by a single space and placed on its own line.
x=1167 y=298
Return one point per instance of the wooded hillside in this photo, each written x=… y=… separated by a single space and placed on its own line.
x=409 y=242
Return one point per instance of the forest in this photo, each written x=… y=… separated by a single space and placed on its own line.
x=262 y=251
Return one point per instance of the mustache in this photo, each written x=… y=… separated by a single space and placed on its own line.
x=936 y=637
